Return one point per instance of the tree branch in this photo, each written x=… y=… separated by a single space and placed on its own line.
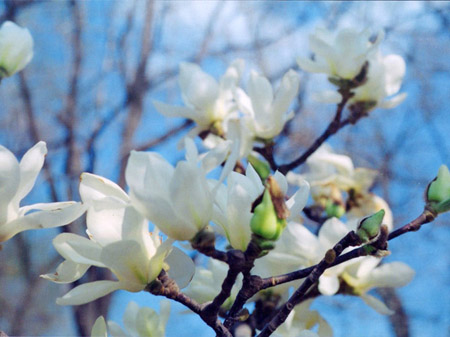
x=351 y=239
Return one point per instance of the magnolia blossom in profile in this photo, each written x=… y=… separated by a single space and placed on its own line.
x=206 y=100
x=384 y=79
x=301 y=321
x=340 y=54
x=233 y=204
x=16 y=181
x=16 y=48
x=268 y=113
x=138 y=321
x=366 y=273
x=118 y=240
x=178 y=200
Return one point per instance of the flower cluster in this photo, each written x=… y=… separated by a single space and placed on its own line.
x=254 y=207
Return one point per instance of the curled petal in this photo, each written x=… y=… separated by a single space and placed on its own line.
x=78 y=249
x=88 y=292
x=67 y=272
x=46 y=216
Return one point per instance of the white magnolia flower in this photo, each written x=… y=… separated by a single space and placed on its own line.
x=300 y=322
x=329 y=173
x=384 y=79
x=232 y=211
x=326 y=167
x=365 y=274
x=139 y=322
x=16 y=181
x=16 y=48
x=268 y=113
x=206 y=100
x=178 y=200
x=207 y=283
x=118 y=240
x=340 y=54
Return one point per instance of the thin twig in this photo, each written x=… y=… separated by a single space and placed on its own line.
x=332 y=128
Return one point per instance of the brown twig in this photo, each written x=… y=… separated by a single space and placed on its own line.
x=332 y=128
x=165 y=286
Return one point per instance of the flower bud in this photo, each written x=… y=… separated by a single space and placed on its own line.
x=264 y=221
x=261 y=167
x=438 y=191
x=334 y=209
x=16 y=48
x=369 y=227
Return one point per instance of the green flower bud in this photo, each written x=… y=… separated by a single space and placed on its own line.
x=333 y=209
x=261 y=167
x=264 y=221
x=438 y=191
x=369 y=227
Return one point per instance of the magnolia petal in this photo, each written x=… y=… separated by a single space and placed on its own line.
x=285 y=94
x=324 y=329
x=129 y=263
x=115 y=330
x=47 y=216
x=67 y=272
x=394 y=274
x=394 y=101
x=94 y=187
x=147 y=323
x=88 y=292
x=130 y=318
x=282 y=181
x=182 y=268
x=164 y=311
x=145 y=169
x=99 y=328
x=366 y=266
x=105 y=226
x=298 y=201
x=30 y=166
x=261 y=94
x=299 y=239
x=328 y=285
x=376 y=304
x=189 y=193
x=238 y=215
x=232 y=75
x=327 y=97
x=331 y=232
x=175 y=111
x=78 y=249
x=9 y=181
x=244 y=102
x=216 y=156
x=198 y=88
x=395 y=68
